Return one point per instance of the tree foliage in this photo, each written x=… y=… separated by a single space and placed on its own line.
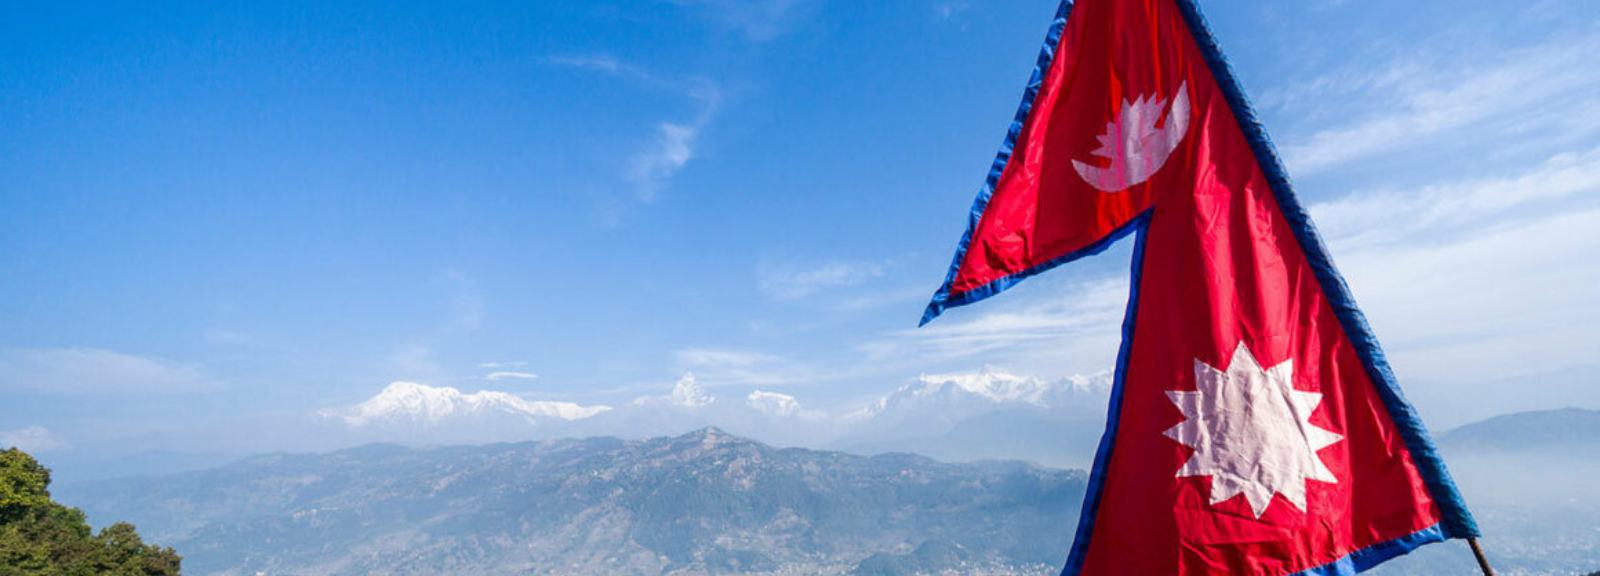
x=39 y=537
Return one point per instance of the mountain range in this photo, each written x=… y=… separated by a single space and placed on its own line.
x=960 y=416
x=705 y=502
x=1566 y=431
x=709 y=502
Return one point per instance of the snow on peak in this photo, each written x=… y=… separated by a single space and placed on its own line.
x=779 y=405
x=988 y=386
x=430 y=405
x=686 y=393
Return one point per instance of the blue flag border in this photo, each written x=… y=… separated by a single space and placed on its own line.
x=1457 y=521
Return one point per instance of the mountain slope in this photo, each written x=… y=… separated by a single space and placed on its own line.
x=1565 y=430
x=702 y=503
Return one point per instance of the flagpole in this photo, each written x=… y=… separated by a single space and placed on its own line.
x=1483 y=561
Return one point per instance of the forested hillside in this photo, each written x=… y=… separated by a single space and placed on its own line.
x=40 y=537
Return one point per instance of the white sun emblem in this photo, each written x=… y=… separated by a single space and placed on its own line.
x=1251 y=432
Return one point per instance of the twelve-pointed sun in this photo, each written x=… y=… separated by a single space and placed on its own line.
x=1251 y=432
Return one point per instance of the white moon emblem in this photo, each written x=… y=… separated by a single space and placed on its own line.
x=1133 y=144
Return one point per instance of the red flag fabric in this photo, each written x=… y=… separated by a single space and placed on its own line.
x=1256 y=428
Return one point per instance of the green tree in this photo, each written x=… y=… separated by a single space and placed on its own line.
x=39 y=537
x=24 y=485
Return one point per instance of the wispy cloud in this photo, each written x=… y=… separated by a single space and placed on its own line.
x=415 y=360
x=497 y=365
x=950 y=9
x=599 y=63
x=228 y=337
x=1529 y=94
x=464 y=299
x=788 y=282
x=672 y=150
x=757 y=20
x=90 y=371
x=1479 y=277
x=1459 y=208
x=499 y=376
x=1075 y=331
x=33 y=439
x=721 y=367
x=673 y=144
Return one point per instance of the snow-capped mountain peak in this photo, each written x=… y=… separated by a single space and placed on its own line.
x=986 y=388
x=410 y=402
x=779 y=405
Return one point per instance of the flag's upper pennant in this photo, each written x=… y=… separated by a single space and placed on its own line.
x=1255 y=427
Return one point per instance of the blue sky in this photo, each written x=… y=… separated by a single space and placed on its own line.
x=214 y=212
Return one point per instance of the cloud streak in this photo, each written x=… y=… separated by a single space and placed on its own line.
x=1479 y=277
x=33 y=439
x=718 y=367
x=1410 y=102
x=787 y=282
x=500 y=376
x=1075 y=331
x=757 y=20
x=673 y=144
x=90 y=371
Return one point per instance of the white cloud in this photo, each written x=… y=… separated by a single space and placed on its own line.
x=710 y=357
x=687 y=393
x=1508 y=298
x=1456 y=208
x=950 y=9
x=1525 y=95
x=1480 y=277
x=1074 y=330
x=33 y=439
x=779 y=405
x=672 y=150
x=740 y=367
x=466 y=300
x=503 y=375
x=597 y=62
x=228 y=337
x=415 y=361
x=789 y=282
x=758 y=20
x=498 y=365
x=673 y=144
x=89 y=371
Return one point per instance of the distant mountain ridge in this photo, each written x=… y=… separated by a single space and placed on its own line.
x=1567 y=429
x=1055 y=422
x=987 y=414
x=712 y=503
x=701 y=503
x=988 y=386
